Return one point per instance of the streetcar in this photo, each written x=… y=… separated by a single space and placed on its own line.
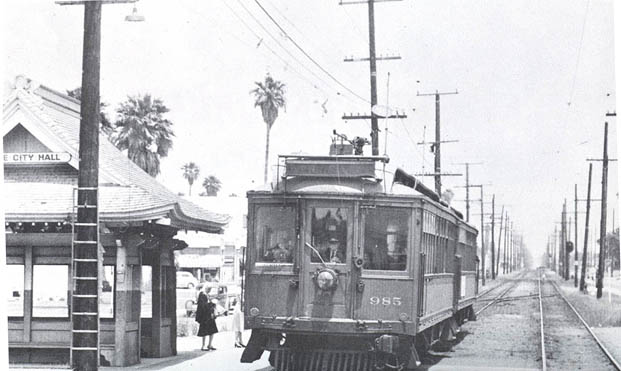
x=351 y=268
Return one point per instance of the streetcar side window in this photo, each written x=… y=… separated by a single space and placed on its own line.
x=386 y=239
x=329 y=234
x=275 y=236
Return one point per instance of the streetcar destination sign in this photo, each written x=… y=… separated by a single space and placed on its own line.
x=37 y=158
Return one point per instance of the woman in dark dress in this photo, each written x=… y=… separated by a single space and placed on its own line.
x=206 y=317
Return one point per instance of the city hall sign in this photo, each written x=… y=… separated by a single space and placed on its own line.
x=37 y=158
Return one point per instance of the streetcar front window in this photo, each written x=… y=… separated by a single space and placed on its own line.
x=385 y=239
x=275 y=238
x=329 y=234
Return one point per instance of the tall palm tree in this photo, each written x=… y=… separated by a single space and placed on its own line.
x=190 y=173
x=212 y=185
x=270 y=96
x=143 y=131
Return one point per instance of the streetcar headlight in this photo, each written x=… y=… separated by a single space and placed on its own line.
x=326 y=280
x=254 y=311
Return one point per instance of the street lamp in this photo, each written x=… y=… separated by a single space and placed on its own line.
x=134 y=17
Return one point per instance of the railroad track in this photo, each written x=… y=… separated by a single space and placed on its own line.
x=502 y=294
x=565 y=328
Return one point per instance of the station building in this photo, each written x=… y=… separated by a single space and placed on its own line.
x=138 y=222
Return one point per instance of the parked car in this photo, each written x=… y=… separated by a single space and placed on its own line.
x=186 y=280
x=215 y=290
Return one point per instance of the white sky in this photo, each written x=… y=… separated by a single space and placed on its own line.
x=515 y=64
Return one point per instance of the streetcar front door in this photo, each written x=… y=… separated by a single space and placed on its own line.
x=328 y=240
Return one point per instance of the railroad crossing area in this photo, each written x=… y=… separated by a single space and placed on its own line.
x=530 y=315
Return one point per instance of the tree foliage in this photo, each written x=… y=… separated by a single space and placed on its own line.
x=212 y=185
x=269 y=95
x=143 y=131
x=190 y=173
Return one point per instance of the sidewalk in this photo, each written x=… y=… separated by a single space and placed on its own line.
x=190 y=357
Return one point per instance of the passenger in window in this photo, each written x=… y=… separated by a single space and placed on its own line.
x=277 y=254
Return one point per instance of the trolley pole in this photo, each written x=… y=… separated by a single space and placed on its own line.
x=586 y=232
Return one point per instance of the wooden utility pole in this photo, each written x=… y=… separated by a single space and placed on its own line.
x=602 y=226
x=438 y=141
x=564 y=239
x=554 y=266
x=373 y=78
x=586 y=231
x=506 y=248
x=499 y=240
x=493 y=248
x=468 y=186
x=482 y=239
x=576 y=235
x=84 y=352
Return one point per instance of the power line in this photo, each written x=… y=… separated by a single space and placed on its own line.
x=275 y=53
x=278 y=43
x=307 y=55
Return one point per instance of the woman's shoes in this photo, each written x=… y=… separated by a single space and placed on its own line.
x=211 y=348
x=204 y=349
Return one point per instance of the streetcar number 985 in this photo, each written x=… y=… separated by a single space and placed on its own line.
x=376 y=300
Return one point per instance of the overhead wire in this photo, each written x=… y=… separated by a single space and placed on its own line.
x=314 y=85
x=258 y=22
x=308 y=55
x=301 y=32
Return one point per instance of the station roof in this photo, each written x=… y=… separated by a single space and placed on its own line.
x=127 y=193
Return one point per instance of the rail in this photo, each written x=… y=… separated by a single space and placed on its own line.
x=499 y=297
x=601 y=345
x=543 y=342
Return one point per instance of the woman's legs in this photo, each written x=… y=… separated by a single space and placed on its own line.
x=203 y=344
x=210 y=340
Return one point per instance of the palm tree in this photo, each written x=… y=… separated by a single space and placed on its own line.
x=105 y=125
x=190 y=173
x=270 y=96
x=143 y=131
x=212 y=185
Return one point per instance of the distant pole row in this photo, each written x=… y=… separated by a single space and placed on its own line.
x=565 y=246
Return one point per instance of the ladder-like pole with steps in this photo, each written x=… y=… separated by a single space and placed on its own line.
x=85 y=268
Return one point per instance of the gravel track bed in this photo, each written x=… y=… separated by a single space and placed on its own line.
x=505 y=336
x=569 y=346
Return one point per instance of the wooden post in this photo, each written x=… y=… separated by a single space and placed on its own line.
x=499 y=241
x=493 y=237
x=482 y=240
x=85 y=298
x=586 y=231
x=602 y=226
x=576 y=235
